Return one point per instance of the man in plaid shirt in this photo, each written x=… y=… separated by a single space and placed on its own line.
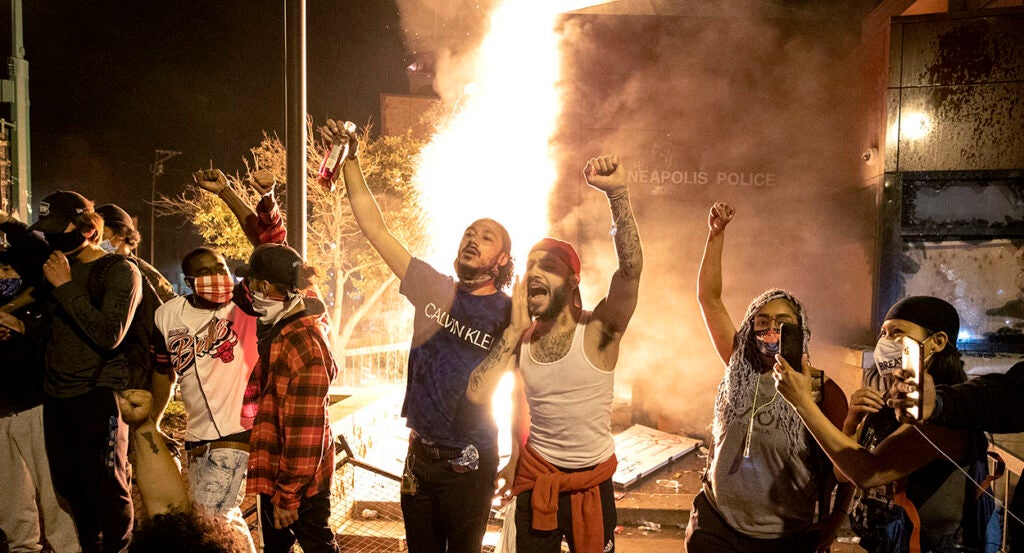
x=291 y=454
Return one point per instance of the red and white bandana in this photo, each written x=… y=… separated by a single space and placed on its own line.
x=214 y=288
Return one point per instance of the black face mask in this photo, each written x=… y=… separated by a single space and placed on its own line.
x=65 y=241
x=241 y=295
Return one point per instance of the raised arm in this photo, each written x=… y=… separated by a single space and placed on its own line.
x=709 y=283
x=160 y=483
x=485 y=377
x=364 y=206
x=612 y=314
x=263 y=227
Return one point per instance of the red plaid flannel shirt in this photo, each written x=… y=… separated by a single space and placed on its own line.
x=291 y=450
x=266 y=225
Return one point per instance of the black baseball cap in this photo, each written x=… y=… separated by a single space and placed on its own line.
x=274 y=263
x=59 y=209
x=114 y=216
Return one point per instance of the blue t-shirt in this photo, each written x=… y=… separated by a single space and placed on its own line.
x=452 y=332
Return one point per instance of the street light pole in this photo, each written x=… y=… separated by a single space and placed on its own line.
x=156 y=169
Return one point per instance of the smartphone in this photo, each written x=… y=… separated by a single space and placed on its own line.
x=912 y=362
x=791 y=345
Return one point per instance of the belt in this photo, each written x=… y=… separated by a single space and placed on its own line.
x=435 y=452
x=196 y=451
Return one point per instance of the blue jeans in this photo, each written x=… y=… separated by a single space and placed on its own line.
x=217 y=486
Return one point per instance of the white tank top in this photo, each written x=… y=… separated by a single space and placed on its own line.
x=570 y=405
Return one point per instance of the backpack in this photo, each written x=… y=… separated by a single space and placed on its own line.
x=978 y=505
x=142 y=330
x=888 y=524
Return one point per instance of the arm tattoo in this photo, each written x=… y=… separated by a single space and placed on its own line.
x=476 y=379
x=627 y=239
x=152 y=444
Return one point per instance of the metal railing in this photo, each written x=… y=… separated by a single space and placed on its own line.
x=372 y=365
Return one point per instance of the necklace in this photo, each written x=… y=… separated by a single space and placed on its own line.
x=754 y=410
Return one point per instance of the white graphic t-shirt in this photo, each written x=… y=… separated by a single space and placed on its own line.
x=213 y=354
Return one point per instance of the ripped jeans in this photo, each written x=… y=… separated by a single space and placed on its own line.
x=217 y=485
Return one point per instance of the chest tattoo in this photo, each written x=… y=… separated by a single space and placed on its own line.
x=553 y=346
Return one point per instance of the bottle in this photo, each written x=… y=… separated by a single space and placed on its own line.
x=334 y=157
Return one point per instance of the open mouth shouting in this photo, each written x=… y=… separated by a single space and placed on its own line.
x=536 y=294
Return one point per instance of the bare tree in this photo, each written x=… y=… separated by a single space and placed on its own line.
x=353 y=276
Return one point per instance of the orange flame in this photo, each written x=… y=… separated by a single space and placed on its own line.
x=493 y=157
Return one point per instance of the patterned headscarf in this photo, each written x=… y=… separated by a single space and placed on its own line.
x=736 y=391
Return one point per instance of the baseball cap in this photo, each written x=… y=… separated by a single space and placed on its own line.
x=274 y=263
x=59 y=209
x=114 y=216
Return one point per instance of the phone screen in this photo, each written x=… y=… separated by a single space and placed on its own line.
x=792 y=345
x=912 y=363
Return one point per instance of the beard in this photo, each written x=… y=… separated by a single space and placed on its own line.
x=556 y=302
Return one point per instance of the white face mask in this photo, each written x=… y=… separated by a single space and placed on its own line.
x=108 y=247
x=270 y=310
x=888 y=357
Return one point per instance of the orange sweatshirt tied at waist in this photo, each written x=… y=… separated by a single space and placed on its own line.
x=546 y=481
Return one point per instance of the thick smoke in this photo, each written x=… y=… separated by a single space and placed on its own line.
x=744 y=110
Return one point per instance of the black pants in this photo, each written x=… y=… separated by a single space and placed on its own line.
x=312 y=530
x=529 y=540
x=87 y=444
x=709 y=532
x=449 y=511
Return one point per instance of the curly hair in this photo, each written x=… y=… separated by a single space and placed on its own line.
x=130 y=235
x=186 y=530
x=91 y=224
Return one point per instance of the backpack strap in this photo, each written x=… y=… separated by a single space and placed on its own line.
x=1000 y=470
x=96 y=282
x=901 y=499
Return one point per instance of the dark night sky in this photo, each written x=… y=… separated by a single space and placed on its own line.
x=110 y=82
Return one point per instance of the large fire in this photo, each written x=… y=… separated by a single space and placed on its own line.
x=493 y=157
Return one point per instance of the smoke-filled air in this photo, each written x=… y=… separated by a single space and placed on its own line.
x=734 y=107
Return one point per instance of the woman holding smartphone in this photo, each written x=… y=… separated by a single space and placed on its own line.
x=767 y=487
x=895 y=463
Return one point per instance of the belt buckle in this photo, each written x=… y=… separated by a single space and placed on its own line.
x=468 y=461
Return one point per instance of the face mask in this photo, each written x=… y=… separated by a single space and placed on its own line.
x=242 y=296
x=66 y=242
x=270 y=311
x=108 y=247
x=216 y=289
x=9 y=288
x=767 y=341
x=888 y=356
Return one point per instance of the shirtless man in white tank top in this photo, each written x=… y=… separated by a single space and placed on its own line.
x=565 y=359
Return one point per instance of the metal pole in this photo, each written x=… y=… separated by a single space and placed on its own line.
x=295 y=122
x=157 y=169
x=21 y=176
